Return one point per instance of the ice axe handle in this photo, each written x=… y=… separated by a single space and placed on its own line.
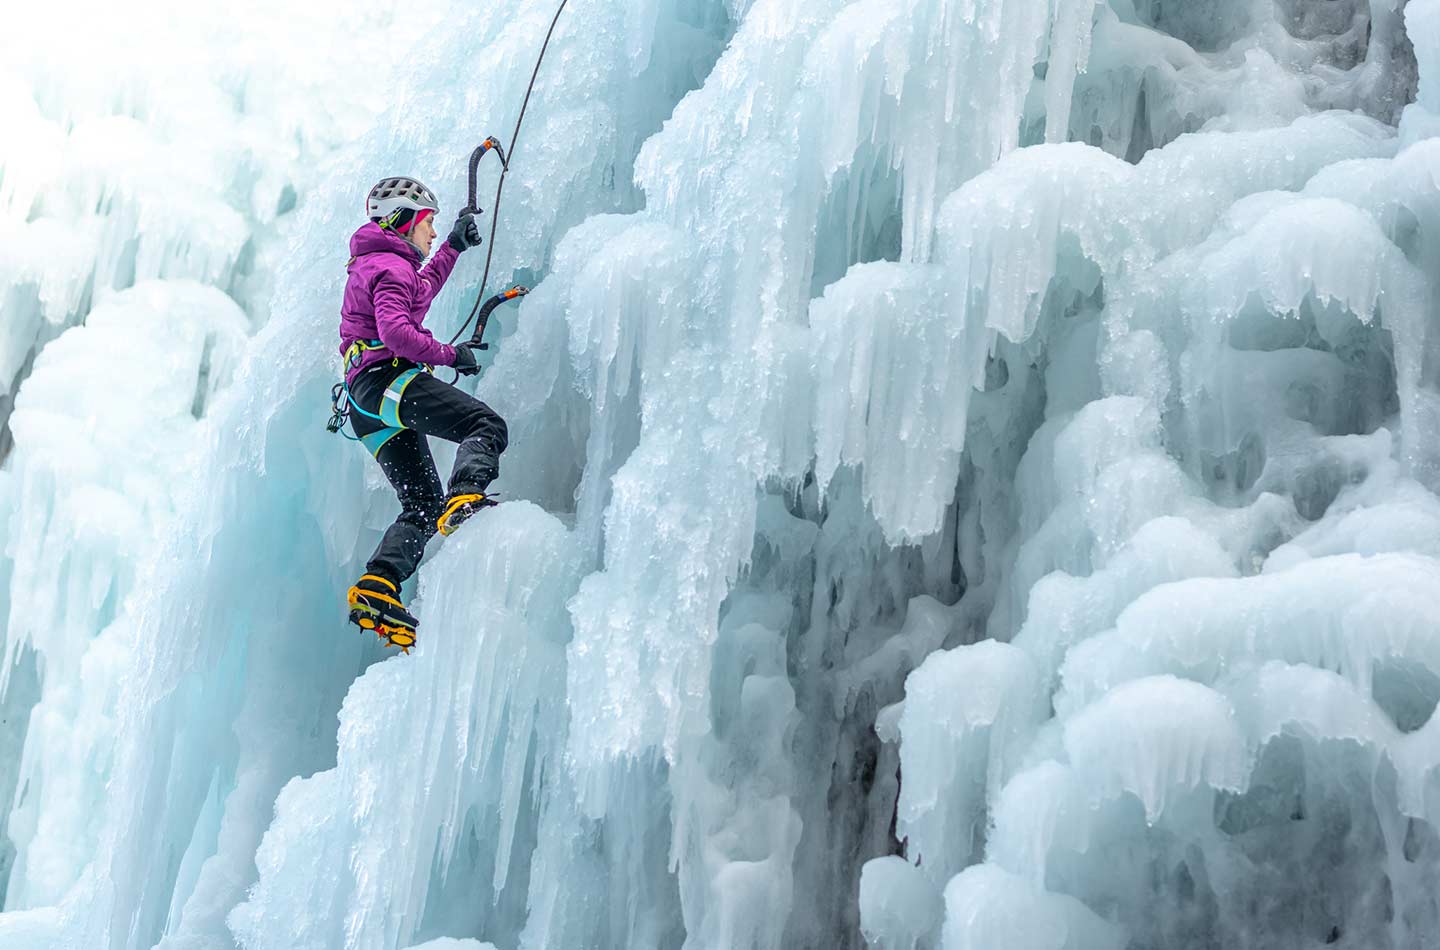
x=488 y=308
x=490 y=144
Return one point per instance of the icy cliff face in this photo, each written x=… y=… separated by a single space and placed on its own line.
x=972 y=485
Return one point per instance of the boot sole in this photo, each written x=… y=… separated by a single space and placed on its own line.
x=368 y=618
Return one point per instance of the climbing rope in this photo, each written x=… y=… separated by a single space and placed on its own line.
x=484 y=307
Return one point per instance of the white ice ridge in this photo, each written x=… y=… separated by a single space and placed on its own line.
x=972 y=485
x=167 y=154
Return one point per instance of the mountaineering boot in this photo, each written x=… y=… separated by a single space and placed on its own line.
x=375 y=605
x=459 y=508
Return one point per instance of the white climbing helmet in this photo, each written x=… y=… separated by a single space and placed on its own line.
x=393 y=195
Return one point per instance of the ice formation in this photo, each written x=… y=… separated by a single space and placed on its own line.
x=973 y=481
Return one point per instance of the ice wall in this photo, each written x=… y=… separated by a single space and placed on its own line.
x=972 y=485
x=147 y=189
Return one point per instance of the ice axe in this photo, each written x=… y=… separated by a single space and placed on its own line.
x=491 y=144
x=485 y=310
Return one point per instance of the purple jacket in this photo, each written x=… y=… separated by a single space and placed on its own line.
x=388 y=295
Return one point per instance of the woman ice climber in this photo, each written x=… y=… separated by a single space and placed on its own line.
x=394 y=400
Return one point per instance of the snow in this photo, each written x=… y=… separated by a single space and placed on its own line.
x=973 y=480
x=987 y=907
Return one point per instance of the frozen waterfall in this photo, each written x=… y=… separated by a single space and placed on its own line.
x=974 y=480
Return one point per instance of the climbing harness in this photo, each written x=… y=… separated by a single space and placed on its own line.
x=342 y=404
x=355 y=354
x=340 y=401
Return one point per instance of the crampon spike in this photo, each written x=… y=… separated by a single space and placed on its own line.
x=368 y=616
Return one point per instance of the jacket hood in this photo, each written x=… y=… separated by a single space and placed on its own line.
x=373 y=239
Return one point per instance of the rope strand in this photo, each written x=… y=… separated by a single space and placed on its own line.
x=505 y=158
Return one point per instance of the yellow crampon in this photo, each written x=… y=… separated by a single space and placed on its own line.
x=396 y=637
x=367 y=616
x=401 y=637
x=459 y=509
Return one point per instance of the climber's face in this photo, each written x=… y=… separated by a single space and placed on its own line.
x=423 y=234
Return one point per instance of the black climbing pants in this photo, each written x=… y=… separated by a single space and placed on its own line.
x=428 y=407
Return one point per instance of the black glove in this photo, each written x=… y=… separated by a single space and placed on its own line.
x=465 y=363
x=466 y=233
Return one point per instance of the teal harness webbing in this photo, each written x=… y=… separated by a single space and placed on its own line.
x=389 y=411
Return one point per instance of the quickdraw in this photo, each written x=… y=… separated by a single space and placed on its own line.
x=339 y=411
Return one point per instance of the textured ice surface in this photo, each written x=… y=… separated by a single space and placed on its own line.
x=973 y=480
